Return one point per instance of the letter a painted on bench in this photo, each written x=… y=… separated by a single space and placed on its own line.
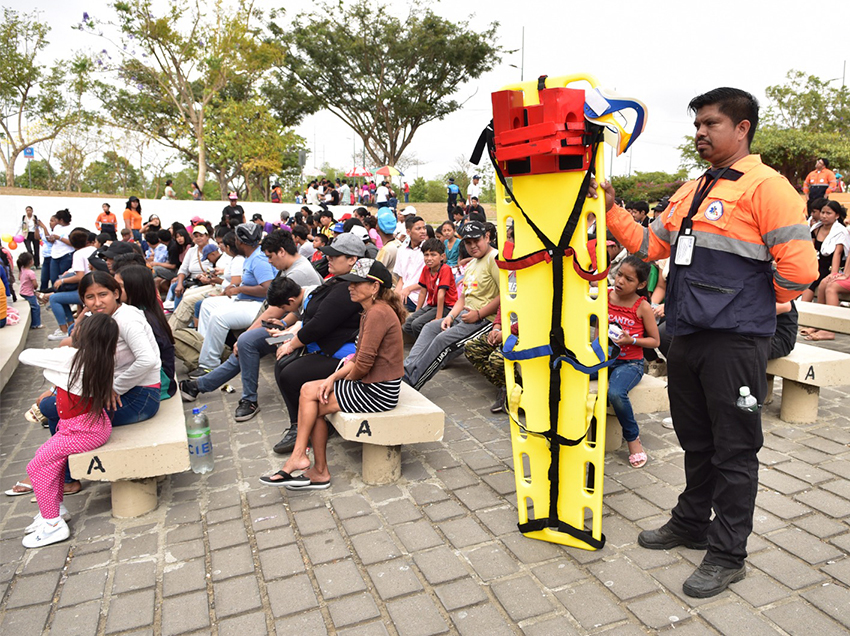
x=810 y=374
x=364 y=429
x=95 y=465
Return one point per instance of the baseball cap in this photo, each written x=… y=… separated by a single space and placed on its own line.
x=368 y=270
x=345 y=216
x=338 y=227
x=199 y=229
x=249 y=233
x=409 y=211
x=472 y=230
x=360 y=232
x=451 y=179
x=387 y=220
x=232 y=195
x=117 y=248
x=195 y=220
x=345 y=245
x=257 y=217
x=475 y=176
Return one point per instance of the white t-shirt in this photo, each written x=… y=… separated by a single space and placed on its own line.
x=474 y=191
x=408 y=265
x=307 y=250
x=312 y=196
x=81 y=259
x=137 y=360
x=59 y=248
x=232 y=268
x=382 y=194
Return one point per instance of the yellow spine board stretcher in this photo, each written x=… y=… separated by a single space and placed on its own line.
x=528 y=298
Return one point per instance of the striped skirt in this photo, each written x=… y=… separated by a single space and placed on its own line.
x=354 y=396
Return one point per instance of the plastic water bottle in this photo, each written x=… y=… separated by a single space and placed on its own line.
x=746 y=401
x=200 y=444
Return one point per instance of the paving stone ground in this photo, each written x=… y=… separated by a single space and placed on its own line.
x=436 y=553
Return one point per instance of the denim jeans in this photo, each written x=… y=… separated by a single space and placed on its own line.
x=60 y=305
x=251 y=346
x=45 y=273
x=35 y=310
x=59 y=266
x=623 y=376
x=137 y=405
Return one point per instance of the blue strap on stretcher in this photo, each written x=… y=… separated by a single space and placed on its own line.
x=544 y=351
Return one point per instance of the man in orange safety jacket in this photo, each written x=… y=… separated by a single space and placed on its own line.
x=820 y=181
x=738 y=244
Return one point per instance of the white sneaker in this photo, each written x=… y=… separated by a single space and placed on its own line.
x=168 y=304
x=47 y=534
x=38 y=519
x=667 y=422
x=57 y=335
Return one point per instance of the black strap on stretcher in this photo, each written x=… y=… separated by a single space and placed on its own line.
x=556 y=253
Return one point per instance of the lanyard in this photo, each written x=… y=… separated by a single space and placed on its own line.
x=701 y=194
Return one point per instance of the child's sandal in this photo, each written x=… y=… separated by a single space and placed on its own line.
x=34 y=415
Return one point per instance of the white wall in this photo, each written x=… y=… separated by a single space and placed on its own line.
x=84 y=210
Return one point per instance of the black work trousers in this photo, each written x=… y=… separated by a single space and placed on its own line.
x=721 y=441
x=294 y=372
x=31 y=244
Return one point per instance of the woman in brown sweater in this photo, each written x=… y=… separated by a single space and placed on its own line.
x=370 y=382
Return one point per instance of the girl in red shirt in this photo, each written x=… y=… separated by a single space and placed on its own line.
x=633 y=327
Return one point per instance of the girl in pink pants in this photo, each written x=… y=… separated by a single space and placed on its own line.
x=82 y=375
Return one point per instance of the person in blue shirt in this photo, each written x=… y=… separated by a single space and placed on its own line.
x=219 y=314
x=453 y=192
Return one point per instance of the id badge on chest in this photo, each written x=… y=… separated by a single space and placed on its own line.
x=684 y=249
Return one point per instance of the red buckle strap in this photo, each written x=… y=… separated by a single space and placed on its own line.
x=513 y=264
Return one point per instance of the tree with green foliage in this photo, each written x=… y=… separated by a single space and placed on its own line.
x=805 y=118
x=172 y=64
x=648 y=186
x=37 y=101
x=113 y=174
x=384 y=77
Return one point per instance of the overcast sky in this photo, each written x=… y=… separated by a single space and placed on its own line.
x=662 y=53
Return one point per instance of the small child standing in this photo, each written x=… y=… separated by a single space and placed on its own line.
x=631 y=312
x=83 y=378
x=452 y=244
x=439 y=283
x=28 y=286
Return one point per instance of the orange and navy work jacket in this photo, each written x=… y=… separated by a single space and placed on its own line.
x=750 y=219
x=820 y=178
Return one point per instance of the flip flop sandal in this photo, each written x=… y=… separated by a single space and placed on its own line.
x=285 y=478
x=302 y=483
x=638 y=460
x=17 y=493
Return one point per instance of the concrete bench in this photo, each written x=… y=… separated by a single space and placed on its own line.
x=13 y=340
x=804 y=371
x=416 y=419
x=135 y=456
x=828 y=317
x=649 y=396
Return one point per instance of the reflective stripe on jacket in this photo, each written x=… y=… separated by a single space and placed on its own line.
x=740 y=227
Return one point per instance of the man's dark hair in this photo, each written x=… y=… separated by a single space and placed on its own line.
x=641 y=206
x=817 y=204
x=736 y=104
x=221 y=231
x=78 y=238
x=165 y=236
x=282 y=290
x=323 y=239
x=125 y=260
x=825 y=162
x=152 y=237
x=350 y=223
x=433 y=245
x=458 y=210
x=103 y=237
x=280 y=240
x=410 y=221
x=326 y=212
x=301 y=232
